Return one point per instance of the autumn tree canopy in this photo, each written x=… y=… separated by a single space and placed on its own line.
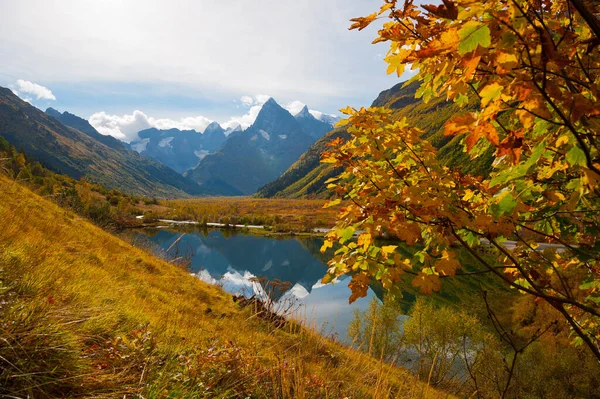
x=532 y=69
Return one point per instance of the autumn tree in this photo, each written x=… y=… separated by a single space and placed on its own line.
x=532 y=68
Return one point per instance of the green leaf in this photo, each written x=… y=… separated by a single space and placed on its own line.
x=331 y=203
x=522 y=169
x=473 y=34
x=576 y=156
x=590 y=284
x=595 y=299
x=522 y=282
x=506 y=204
x=347 y=233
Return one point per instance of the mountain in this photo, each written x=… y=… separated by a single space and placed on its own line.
x=259 y=154
x=311 y=125
x=179 y=149
x=233 y=130
x=84 y=126
x=330 y=119
x=66 y=150
x=306 y=176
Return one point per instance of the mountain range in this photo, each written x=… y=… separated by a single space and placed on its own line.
x=179 y=149
x=277 y=156
x=251 y=158
x=67 y=144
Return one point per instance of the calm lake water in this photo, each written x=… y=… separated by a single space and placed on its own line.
x=233 y=260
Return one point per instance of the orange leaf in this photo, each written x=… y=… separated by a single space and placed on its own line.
x=447 y=265
x=427 y=283
x=460 y=124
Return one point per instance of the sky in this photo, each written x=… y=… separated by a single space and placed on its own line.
x=130 y=64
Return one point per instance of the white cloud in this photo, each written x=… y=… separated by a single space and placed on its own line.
x=247 y=101
x=330 y=118
x=290 y=49
x=296 y=106
x=40 y=92
x=245 y=120
x=255 y=103
x=123 y=127
x=126 y=127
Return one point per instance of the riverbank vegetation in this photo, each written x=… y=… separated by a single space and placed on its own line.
x=279 y=215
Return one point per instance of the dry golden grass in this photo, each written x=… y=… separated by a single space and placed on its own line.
x=283 y=214
x=119 y=322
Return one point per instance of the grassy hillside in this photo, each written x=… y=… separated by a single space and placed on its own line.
x=85 y=314
x=68 y=151
x=305 y=178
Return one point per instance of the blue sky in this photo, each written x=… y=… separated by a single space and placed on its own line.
x=189 y=60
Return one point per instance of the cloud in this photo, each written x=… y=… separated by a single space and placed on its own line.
x=298 y=49
x=296 y=106
x=247 y=100
x=126 y=127
x=255 y=103
x=24 y=87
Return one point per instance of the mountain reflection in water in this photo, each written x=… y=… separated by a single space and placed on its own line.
x=232 y=260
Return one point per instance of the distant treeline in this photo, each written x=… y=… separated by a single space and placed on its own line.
x=107 y=208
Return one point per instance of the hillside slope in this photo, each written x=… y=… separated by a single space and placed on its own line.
x=68 y=151
x=84 y=126
x=85 y=314
x=307 y=175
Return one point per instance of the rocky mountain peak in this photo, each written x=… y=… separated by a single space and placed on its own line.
x=304 y=113
x=53 y=112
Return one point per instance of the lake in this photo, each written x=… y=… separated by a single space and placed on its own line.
x=232 y=260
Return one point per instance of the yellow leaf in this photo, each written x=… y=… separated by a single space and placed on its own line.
x=397 y=62
x=326 y=244
x=362 y=22
x=562 y=140
x=348 y=110
x=385 y=7
x=506 y=62
x=388 y=249
x=365 y=240
x=490 y=93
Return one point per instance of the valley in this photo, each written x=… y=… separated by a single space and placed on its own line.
x=232 y=200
